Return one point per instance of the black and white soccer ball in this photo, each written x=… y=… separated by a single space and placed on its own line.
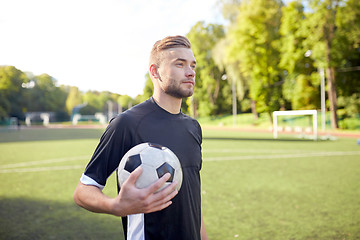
x=155 y=160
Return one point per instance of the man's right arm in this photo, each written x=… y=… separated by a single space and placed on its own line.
x=130 y=199
x=92 y=198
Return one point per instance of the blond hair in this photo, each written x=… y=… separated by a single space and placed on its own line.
x=167 y=43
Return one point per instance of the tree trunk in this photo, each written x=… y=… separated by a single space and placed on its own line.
x=330 y=72
x=329 y=32
x=193 y=108
x=253 y=109
x=217 y=89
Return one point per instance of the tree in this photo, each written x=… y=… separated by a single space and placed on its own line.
x=125 y=101
x=45 y=95
x=301 y=81
x=148 y=88
x=230 y=9
x=233 y=74
x=255 y=46
x=207 y=99
x=74 y=98
x=12 y=94
x=333 y=27
x=92 y=98
x=348 y=71
x=4 y=106
x=224 y=57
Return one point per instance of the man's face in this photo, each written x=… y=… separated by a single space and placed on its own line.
x=177 y=72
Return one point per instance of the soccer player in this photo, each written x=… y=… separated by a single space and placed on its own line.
x=146 y=213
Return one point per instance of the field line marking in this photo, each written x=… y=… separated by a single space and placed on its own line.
x=300 y=155
x=32 y=163
x=41 y=169
x=12 y=168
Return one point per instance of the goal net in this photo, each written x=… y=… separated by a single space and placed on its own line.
x=276 y=114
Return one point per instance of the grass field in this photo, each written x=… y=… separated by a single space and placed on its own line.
x=253 y=187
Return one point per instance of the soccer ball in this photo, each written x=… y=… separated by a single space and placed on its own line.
x=155 y=160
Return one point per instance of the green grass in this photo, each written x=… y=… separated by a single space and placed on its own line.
x=277 y=197
x=253 y=187
x=38 y=204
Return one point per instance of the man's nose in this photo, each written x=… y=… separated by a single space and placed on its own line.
x=190 y=72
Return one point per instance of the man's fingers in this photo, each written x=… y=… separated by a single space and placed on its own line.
x=165 y=195
x=162 y=199
x=149 y=199
x=159 y=207
x=158 y=184
x=135 y=175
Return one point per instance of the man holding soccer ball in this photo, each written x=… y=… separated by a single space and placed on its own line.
x=147 y=213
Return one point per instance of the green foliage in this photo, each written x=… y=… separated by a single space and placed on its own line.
x=349 y=27
x=45 y=95
x=244 y=120
x=207 y=99
x=22 y=93
x=73 y=99
x=344 y=17
x=350 y=123
x=4 y=106
x=149 y=87
x=97 y=101
x=230 y=9
x=305 y=95
x=333 y=39
x=92 y=98
x=11 y=92
x=125 y=101
x=301 y=85
x=245 y=105
x=350 y=106
x=255 y=46
x=88 y=110
x=11 y=79
x=302 y=91
x=292 y=37
x=262 y=49
x=349 y=40
x=106 y=96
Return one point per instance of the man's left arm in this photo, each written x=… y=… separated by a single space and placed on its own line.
x=202 y=230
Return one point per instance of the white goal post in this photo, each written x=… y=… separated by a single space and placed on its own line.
x=294 y=112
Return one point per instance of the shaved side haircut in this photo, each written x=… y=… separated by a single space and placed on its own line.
x=167 y=43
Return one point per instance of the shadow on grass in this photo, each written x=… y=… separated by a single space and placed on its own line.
x=33 y=219
x=45 y=134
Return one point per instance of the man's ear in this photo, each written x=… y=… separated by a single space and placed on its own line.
x=154 y=71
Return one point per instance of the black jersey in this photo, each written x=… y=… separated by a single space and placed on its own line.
x=147 y=122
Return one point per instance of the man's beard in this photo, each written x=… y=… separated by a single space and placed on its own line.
x=176 y=92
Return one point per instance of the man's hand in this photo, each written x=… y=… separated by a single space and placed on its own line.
x=132 y=200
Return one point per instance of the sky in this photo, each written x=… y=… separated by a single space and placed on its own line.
x=101 y=45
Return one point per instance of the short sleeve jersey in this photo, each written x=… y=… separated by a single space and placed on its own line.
x=148 y=122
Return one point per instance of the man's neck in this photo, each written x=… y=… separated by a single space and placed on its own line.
x=168 y=103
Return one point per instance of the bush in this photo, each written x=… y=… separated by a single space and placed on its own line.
x=349 y=106
x=350 y=123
